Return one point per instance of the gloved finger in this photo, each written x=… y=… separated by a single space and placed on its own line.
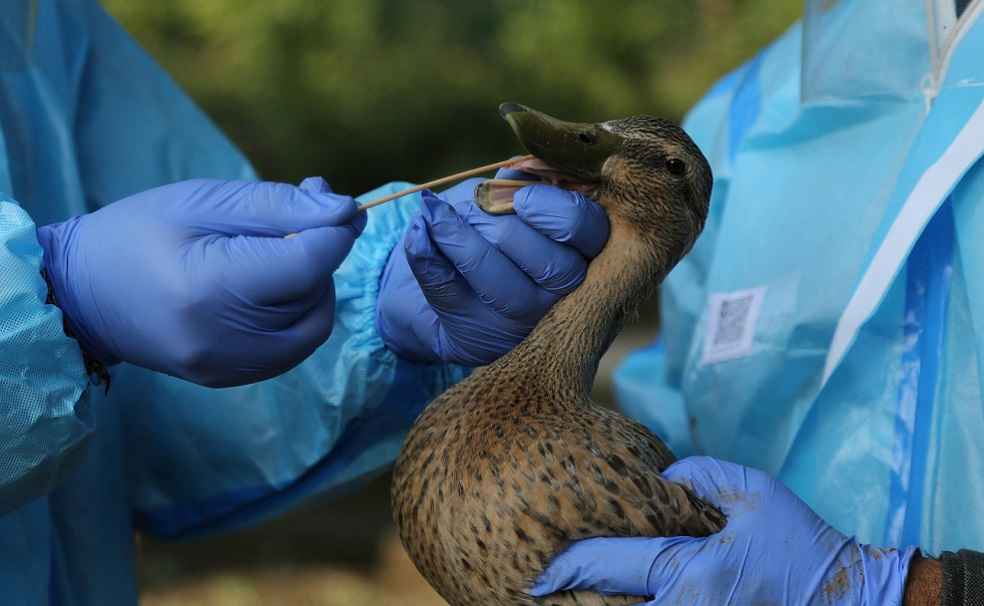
x=615 y=565
x=494 y=278
x=425 y=324
x=280 y=271
x=274 y=209
x=556 y=268
x=449 y=301
x=358 y=223
x=512 y=173
x=467 y=348
x=326 y=247
x=308 y=331
x=730 y=487
x=316 y=185
x=461 y=194
x=565 y=216
x=443 y=288
x=288 y=340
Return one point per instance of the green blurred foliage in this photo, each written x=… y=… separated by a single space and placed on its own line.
x=368 y=91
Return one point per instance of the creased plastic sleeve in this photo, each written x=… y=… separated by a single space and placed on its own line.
x=43 y=421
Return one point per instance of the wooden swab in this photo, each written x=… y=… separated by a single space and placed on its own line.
x=443 y=181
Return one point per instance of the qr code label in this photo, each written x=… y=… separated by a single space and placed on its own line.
x=731 y=319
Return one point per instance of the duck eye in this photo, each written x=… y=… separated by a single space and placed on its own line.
x=676 y=166
x=588 y=138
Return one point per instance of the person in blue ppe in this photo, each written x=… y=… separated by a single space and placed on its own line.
x=826 y=333
x=141 y=265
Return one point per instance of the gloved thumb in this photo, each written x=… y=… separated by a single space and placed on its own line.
x=347 y=210
x=317 y=185
x=437 y=277
x=267 y=208
x=629 y=566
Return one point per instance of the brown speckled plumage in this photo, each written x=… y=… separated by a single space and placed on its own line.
x=505 y=469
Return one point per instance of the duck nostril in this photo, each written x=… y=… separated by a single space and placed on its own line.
x=588 y=138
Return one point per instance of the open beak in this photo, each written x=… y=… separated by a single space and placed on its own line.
x=568 y=154
x=569 y=148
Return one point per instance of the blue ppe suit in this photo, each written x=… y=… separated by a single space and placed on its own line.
x=87 y=118
x=828 y=327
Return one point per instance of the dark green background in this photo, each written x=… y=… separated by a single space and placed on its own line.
x=368 y=91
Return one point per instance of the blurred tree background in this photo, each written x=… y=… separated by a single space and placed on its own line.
x=368 y=91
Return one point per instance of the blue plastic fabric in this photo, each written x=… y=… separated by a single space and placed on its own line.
x=847 y=198
x=87 y=118
x=42 y=423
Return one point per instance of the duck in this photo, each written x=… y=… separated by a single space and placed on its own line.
x=504 y=470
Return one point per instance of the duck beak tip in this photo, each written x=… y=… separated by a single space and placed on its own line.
x=511 y=108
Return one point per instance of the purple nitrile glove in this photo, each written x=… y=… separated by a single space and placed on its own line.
x=197 y=279
x=774 y=550
x=465 y=286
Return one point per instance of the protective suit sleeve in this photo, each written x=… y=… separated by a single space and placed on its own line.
x=86 y=118
x=43 y=424
x=201 y=460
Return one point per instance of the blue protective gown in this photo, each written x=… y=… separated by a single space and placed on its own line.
x=87 y=118
x=828 y=327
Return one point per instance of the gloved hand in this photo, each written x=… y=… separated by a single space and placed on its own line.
x=197 y=280
x=774 y=550
x=466 y=287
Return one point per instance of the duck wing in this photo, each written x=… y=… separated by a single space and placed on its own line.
x=483 y=514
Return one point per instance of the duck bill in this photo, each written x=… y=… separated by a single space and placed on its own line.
x=568 y=151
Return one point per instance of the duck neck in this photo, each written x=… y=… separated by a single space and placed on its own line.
x=565 y=347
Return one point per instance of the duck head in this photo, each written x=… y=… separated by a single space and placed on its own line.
x=649 y=175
